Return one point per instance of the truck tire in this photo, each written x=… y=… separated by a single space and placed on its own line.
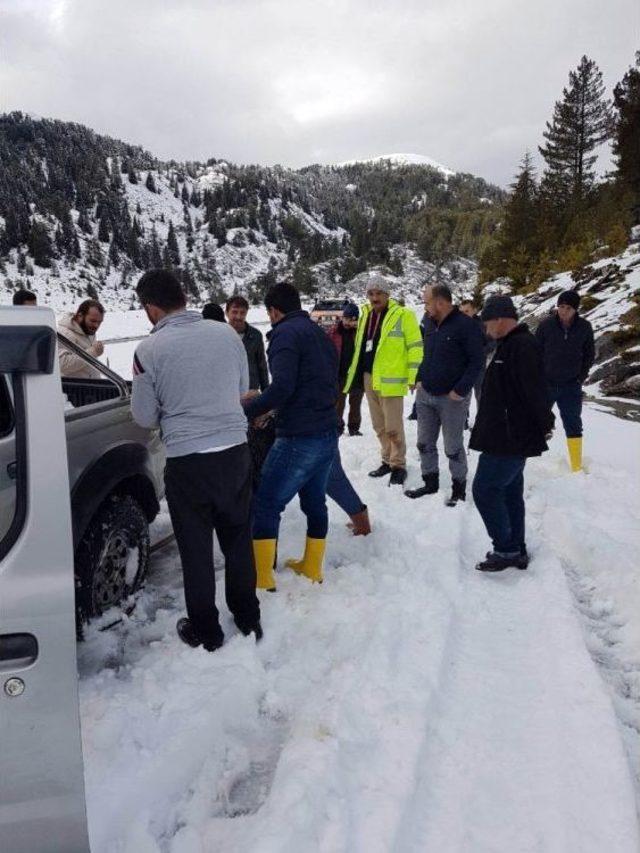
x=112 y=557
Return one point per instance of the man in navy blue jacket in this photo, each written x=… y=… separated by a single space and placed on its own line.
x=303 y=390
x=453 y=358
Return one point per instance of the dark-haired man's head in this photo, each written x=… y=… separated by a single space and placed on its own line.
x=439 y=303
x=236 y=311
x=25 y=297
x=160 y=293
x=213 y=311
x=281 y=299
x=468 y=307
x=89 y=316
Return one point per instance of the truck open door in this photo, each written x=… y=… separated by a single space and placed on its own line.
x=42 y=800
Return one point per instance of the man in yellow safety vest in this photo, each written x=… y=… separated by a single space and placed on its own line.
x=387 y=354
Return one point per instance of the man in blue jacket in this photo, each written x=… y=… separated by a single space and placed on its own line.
x=568 y=352
x=303 y=390
x=453 y=358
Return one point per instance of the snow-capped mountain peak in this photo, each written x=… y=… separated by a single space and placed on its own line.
x=402 y=160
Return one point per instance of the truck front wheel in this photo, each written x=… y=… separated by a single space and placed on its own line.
x=113 y=556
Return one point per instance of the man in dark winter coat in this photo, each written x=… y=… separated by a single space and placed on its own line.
x=343 y=336
x=453 y=355
x=303 y=390
x=236 y=311
x=568 y=352
x=513 y=423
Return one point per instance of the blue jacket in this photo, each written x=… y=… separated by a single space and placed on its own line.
x=567 y=353
x=304 y=378
x=453 y=355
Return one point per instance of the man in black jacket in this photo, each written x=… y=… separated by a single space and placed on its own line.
x=453 y=356
x=236 y=310
x=513 y=422
x=568 y=351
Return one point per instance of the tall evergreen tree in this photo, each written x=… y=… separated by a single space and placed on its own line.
x=519 y=225
x=626 y=142
x=150 y=182
x=172 y=246
x=581 y=123
x=40 y=245
x=103 y=226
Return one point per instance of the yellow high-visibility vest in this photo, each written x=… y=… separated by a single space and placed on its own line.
x=399 y=352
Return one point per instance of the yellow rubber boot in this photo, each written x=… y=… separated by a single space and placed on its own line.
x=264 y=553
x=575 y=453
x=311 y=564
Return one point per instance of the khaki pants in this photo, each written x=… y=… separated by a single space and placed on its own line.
x=387 y=417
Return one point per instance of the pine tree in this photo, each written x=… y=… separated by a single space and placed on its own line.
x=172 y=246
x=519 y=225
x=103 y=227
x=626 y=143
x=114 y=253
x=185 y=194
x=133 y=178
x=39 y=245
x=155 y=256
x=84 y=223
x=581 y=123
x=150 y=182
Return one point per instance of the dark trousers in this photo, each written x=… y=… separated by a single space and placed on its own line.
x=498 y=493
x=568 y=396
x=207 y=492
x=354 y=420
x=340 y=490
x=295 y=465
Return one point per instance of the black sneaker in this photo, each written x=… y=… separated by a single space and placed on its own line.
x=458 y=492
x=354 y=432
x=398 y=476
x=255 y=628
x=382 y=471
x=431 y=486
x=189 y=636
x=495 y=563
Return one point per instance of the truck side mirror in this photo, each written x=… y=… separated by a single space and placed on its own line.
x=27 y=349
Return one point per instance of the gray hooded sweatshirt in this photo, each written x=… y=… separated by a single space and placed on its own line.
x=188 y=376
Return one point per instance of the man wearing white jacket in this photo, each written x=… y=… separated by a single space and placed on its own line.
x=80 y=328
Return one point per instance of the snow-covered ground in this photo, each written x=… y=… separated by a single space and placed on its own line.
x=407 y=704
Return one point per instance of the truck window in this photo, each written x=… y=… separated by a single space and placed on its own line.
x=8 y=466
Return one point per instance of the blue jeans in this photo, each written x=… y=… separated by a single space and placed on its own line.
x=340 y=490
x=498 y=493
x=297 y=465
x=568 y=396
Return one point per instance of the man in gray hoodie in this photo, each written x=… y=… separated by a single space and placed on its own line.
x=188 y=377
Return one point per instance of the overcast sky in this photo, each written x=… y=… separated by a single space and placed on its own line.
x=467 y=82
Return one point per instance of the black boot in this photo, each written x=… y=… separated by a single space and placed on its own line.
x=398 y=476
x=497 y=563
x=189 y=636
x=458 y=492
x=522 y=562
x=354 y=431
x=431 y=486
x=255 y=628
x=382 y=471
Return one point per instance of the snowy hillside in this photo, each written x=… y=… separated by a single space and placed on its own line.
x=610 y=292
x=402 y=160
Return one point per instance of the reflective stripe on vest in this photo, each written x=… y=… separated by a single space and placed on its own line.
x=397 y=332
x=394 y=380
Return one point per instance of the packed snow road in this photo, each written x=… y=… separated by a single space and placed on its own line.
x=407 y=704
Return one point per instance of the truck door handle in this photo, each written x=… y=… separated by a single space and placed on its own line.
x=12 y=470
x=17 y=650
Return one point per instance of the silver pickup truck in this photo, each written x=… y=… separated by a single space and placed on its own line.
x=115 y=478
